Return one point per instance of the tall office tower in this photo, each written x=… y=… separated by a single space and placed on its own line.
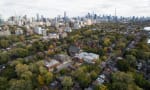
x=0 y=19
x=37 y=17
x=24 y=17
x=115 y=17
x=65 y=15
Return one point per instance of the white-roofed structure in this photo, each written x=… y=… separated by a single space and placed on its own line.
x=87 y=57
x=53 y=35
x=146 y=28
x=148 y=41
x=51 y=64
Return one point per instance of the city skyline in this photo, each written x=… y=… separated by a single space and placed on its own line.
x=52 y=8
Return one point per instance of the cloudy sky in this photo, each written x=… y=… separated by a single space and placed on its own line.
x=53 y=8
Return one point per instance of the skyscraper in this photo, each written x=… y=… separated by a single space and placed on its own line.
x=65 y=17
x=115 y=17
x=1 y=20
x=65 y=14
x=37 y=17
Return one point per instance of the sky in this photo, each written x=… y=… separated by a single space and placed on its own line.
x=52 y=8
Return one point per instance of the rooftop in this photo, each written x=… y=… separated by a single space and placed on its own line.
x=147 y=28
x=51 y=63
x=148 y=41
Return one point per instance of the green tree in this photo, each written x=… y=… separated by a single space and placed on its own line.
x=4 y=58
x=33 y=67
x=21 y=68
x=123 y=65
x=131 y=60
x=122 y=77
x=20 y=85
x=123 y=81
x=3 y=83
x=93 y=75
x=48 y=77
x=4 y=43
x=141 y=81
x=119 y=86
x=19 y=53
x=9 y=72
x=100 y=87
x=67 y=83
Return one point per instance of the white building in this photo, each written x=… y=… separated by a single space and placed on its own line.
x=53 y=36
x=51 y=64
x=100 y=79
x=88 y=57
x=39 y=30
x=148 y=41
x=77 y=25
x=5 y=33
x=19 y=31
x=147 y=28
x=68 y=29
x=88 y=22
x=63 y=35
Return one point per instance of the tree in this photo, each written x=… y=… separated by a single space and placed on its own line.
x=27 y=75
x=134 y=87
x=4 y=58
x=67 y=83
x=3 y=83
x=122 y=77
x=141 y=81
x=42 y=70
x=19 y=53
x=123 y=81
x=20 y=85
x=123 y=65
x=33 y=68
x=101 y=52
x=40 y=80
x=4 y=43
x=84 y=79
x=82 y=76
x=93 y=75
x=106 y=42
x=131 y=60
x=38 y=46
x=119 y=86
x=100 y=87
x=48 y=77
x=9 y=72
x=21 y=68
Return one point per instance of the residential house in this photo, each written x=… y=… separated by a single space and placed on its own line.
x=65 y=61
x=52 y=64
x=101 y=79
x=73 y=50
x=62 y=58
